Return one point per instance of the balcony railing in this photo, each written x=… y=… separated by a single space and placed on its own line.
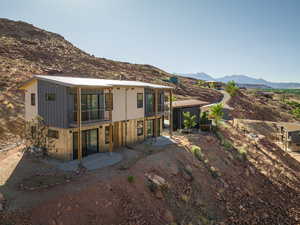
x=92 y=115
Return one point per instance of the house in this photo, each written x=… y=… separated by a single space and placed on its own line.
x=87 y=115
x=179 y=107
x=214 y=84
x=289 y=135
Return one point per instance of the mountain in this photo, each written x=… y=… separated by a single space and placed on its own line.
x=26 y=50
x=199 y=76
x=245 y=80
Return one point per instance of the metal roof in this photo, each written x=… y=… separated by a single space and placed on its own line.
x=188 y=103
x=94 y=82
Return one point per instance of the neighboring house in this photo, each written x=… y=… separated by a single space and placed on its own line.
x=214 y=84
x=179 y=107
x=87 y=115
x=289 y=135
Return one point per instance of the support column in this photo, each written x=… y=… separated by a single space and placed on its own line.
x=155 y=113
x=110 y=119
x=171 y=113
x=79 y=123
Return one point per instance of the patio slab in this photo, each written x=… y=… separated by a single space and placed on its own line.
x=91 y=162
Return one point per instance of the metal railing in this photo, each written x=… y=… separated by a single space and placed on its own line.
x=92 y=115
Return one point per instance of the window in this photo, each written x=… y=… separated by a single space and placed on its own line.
x=107 y=134
x=140 y=100
x=32 y=97
x=53 y=134
x=140 y=128
x=109 y=101
x=50 y=96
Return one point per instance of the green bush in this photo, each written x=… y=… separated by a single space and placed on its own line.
x=232 y=88
x=130 y=179
x=242 y=153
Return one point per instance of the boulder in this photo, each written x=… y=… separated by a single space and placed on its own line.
x=157 y=180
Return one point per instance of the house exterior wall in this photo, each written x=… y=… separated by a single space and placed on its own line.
x=120 y=101
x=31 y=111
x=55 y=113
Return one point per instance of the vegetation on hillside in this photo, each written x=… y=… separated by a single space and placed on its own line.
x=231 y=88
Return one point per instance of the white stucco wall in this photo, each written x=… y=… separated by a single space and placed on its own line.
x=123 y=96
x=31 y=111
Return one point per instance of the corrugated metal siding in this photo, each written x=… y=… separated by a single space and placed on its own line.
x=55 y=113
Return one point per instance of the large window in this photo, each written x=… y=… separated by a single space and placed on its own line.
x=50 y=96
x=150 y=103
x=32 y=98
x=109 y=101
x=140 y=100
x=92 y=107
x=140 y=128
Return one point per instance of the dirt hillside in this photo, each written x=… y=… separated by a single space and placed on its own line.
x=26 y=50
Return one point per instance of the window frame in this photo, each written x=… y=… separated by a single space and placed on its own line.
x=139 y=102
x=140 y=130
x=109 y=101
x=53 y=134
x=32 y=99
x=50 y=97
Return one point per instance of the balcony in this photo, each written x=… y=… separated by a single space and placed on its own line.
x=91 y=116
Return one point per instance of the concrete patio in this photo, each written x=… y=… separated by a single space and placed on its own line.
x=90 y=162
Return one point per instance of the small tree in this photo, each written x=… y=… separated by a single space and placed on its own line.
x=231 y=88
x=189 y=121
x=204 y=121
x=36 y=135
x=216 y=112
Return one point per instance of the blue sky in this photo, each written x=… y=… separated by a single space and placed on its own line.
x=260 y=38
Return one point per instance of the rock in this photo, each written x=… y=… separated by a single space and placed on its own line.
x=159 y=194
x=187 y=176
x=189 y=169
x=168 y=216
x=1 y=207
x=157 y=180
x=2 y=199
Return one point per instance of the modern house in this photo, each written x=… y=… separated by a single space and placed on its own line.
x=179 y=107
x=87 y=115
x=289 y=136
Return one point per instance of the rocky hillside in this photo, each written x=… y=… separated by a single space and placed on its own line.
x=26 y=50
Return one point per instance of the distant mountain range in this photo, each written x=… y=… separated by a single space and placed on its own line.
x=244 y=81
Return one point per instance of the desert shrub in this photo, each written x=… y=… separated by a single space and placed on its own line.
x=296 y=112
x=232 y=88
x=242 y=153
x=130 y=179
x=214 y=172
x=36 y=135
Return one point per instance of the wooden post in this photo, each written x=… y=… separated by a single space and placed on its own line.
x=79 y=123
x=155 y=112
x=110 y=123
x=171 y=114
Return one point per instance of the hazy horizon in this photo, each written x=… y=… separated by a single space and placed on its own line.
x=255 y=38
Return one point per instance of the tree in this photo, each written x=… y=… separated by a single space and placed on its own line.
x=231 y=88
x=36 y=135
x=205 y=123
x=189 y=121
x=216 y=112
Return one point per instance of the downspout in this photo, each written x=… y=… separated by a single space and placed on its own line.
x=126 y=89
